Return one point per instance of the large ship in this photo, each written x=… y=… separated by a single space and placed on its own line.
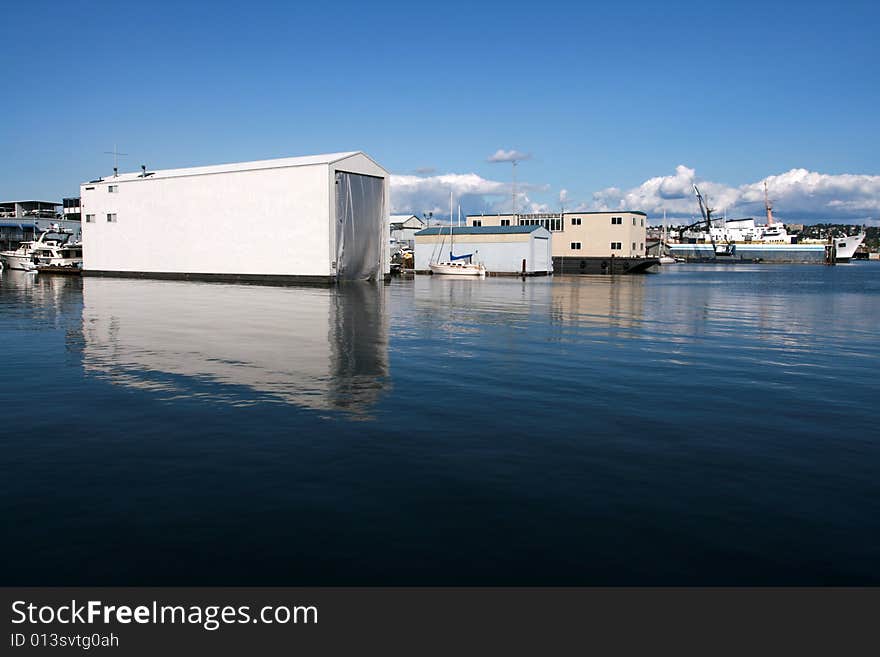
x=743 y=240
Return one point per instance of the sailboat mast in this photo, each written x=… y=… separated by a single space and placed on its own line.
x=451 y=238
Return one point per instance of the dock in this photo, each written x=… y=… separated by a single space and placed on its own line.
x=57 y=269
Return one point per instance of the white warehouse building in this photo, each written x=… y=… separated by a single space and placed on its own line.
x=502 y=249
x=319 y=218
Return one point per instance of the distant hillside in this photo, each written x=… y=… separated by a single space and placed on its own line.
x=822 y=231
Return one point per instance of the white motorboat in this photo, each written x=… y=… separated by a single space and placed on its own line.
x=49 y=242
x=64 y=256
x=667 y=260
x=19 y=258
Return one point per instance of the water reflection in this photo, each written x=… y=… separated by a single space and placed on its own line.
x=615 y=301
x=46 y=290
x=318 y=348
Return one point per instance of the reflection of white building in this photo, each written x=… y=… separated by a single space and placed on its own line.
x=314 y=347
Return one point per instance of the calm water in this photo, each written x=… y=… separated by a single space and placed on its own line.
x=701 y=426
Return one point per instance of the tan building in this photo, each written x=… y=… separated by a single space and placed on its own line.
x=585 y=234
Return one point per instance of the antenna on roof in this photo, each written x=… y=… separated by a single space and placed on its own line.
x=115 y=153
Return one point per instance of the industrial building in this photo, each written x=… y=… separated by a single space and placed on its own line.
x=585 y=242
x=404 y=228
x=70 y=209
x=503 y=250
x=15 y=231
x=22 y=221
x=31 y=210
x=319 y=218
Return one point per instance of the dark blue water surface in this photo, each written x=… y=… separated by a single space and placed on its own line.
x=701 y=426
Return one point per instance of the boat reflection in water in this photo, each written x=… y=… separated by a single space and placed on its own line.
x=321 y=348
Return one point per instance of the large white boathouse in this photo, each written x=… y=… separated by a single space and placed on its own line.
x=318 y=218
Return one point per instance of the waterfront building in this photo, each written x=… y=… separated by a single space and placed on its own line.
x=501 y=249
x=582 y=234
x=15 y=231
x=70 y=209
x=18 y=221
x=404 y=228
x=318 y=218
x=586 y=242
x=31 y=210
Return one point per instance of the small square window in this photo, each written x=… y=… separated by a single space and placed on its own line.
x=111 y=218
x=575 y=221
x=575 y=246
x=478 y=222
x=90 y=218
x=505 y=222
x=112 y=188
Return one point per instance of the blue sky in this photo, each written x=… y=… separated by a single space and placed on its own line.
x=602 y=98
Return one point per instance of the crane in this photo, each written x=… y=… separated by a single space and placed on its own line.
x=706 y=211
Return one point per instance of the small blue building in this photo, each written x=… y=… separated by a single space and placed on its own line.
x=504 y=250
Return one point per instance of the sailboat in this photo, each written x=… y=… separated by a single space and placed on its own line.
x=665 y=258
x=461 y=265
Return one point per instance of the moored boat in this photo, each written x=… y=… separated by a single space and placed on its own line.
x=48 y=244
x=457 y=265
x=742 y=240
x=458 y=268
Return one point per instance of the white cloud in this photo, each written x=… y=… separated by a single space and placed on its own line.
x=797 y=195
x=502 y=155
x=418 y=194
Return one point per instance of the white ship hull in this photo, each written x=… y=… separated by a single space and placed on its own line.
x=847 y=246
x=768 y=252
x=20 y=262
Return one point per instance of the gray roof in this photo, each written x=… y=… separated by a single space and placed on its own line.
x=526 y=214
x=277 y=163
x=478 y=230
x=11 y=223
